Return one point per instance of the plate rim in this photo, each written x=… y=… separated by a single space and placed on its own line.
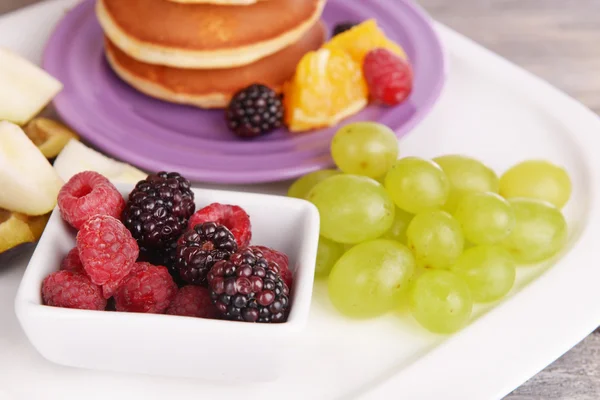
x=450 y=354
x=582 y=118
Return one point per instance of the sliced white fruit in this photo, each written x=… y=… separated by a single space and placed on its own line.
x=77 y=157
x=28 y=183
x=25 y=88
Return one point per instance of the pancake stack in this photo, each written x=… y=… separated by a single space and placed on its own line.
x=201 y=52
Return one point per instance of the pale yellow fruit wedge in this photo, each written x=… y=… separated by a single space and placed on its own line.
x=77 y=157
x=14 y=230
x=49 y=136
x=25 y=88
x=37 y=224
x=29 y=185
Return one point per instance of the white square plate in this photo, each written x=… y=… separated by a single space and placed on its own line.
x=491 y=110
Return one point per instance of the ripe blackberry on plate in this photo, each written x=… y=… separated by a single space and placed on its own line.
x=343 y=27
x=255 y=111
x=279 y=258
x=199 y=248
x=249 y=288
x=157 y=213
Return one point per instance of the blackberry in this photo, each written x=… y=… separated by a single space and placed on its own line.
x=254 y=111
x=200 y=247
x=343 y=27
x=249 y=288
x=157 y=213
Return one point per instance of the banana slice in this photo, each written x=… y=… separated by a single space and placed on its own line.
x=14 y=230
x=49 y=136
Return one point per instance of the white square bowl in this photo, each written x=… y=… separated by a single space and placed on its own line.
x=171 y=345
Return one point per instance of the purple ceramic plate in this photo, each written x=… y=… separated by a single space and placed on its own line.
x=155 y=135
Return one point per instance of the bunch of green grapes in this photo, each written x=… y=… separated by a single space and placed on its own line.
x=434 y=236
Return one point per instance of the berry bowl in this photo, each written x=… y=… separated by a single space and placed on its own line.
x=170 y=345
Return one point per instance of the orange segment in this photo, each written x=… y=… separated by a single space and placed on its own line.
x=363 y=38
x=328 y=86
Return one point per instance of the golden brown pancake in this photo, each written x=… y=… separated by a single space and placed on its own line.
x=205 y=35
x=212 y=88
x=221 y=2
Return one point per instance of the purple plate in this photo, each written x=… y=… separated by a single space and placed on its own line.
x=156 y=135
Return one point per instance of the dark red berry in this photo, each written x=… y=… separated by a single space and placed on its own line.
x=233 y=218
x=389 y=76
x=147 y=289
x=157 y=213
x=280 y=259
x=71 y=262
x=200 y=247
x=71 y=289
x=193 y=301
x=87 y=194
x=249 y=288
x=106 y=249
x=255 y=111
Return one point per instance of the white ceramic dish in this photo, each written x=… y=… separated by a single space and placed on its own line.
x=490 y=109
x=170 y=345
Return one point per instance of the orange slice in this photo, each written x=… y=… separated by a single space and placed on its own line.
x=328 y=86
x=363 y=38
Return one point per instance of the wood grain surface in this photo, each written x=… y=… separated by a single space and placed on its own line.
x=558 y=40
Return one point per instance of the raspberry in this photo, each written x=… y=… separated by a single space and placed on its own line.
x=71 y=289
x=249 y=288
x=106 y=249
x=147 y=289
x=200 y=247
x=390 y=77
x=71 y=262
x=343 y=27
x=109 y=288
x=193 y=301
x=278 y=258
x=254 y=111
x=157 y=213
x=87 y=194
x=233 y=218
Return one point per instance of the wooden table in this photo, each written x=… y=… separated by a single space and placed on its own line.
x=559 y=41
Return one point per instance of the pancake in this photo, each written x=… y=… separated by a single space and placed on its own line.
x=221 y=2
x=212 y=88
x=205 y=35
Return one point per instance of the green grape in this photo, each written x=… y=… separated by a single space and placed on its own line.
x=537 y=179
x=353 y=208
x=540 y=231
x=302 y=186
x=465 y=175
x=327 y=255
x=368 y=280
x=440 y=301
x=485 y=218
x=488 y=270
x=398 y=229
x=436 y=239
x=416 y=184
x=365 y=148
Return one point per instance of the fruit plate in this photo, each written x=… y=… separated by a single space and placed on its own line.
x=491 y=110
x=155 y=135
